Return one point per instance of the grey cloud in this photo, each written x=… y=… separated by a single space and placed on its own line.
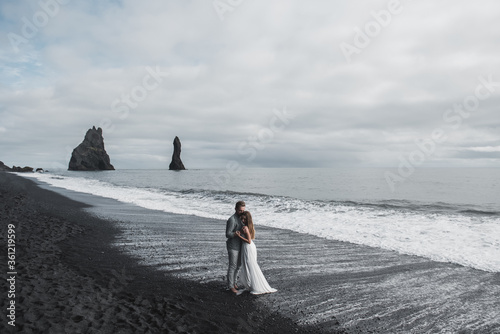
x=226 y=77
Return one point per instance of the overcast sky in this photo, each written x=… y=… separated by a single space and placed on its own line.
x=281 y=83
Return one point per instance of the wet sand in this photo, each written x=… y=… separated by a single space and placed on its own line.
x=150 y=270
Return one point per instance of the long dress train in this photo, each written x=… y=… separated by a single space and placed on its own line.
x=251 y=276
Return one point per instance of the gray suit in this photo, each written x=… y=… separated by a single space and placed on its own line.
x=233 y=245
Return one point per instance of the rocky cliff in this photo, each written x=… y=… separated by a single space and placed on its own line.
x=16 y=169
x=4 y=168
x=90 y=154
x=176 y=163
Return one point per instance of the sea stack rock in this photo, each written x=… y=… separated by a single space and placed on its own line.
x=176 y=163
x=90 y=154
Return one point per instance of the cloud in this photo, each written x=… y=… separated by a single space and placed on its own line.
x=225 y=78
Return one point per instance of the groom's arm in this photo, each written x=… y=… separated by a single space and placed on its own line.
x=230 y=227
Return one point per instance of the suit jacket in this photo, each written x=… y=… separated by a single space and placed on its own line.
x=233 y=224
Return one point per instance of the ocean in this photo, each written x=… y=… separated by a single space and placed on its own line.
x=446 y=215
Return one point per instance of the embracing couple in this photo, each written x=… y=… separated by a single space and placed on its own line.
x=242 y=252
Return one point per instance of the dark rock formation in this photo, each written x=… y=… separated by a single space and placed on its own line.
x=176 y=163
x=16 y=169
x=25 y=169
x=40 y=170
x=90 y=154
x=4 y=168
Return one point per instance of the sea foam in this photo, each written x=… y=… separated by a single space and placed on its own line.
x=466 y=239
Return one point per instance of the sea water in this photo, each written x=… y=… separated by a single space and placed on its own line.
x=448 y=215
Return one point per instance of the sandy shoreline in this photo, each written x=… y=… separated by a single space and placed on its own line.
x=70 y=280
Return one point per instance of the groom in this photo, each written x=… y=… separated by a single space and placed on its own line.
x=233 y=245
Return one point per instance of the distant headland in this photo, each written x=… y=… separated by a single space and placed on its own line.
x=25 y=169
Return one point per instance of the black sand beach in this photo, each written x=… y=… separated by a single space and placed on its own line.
x=71 y=280
x=81 y=274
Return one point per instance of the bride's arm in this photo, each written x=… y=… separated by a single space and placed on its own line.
x=248 y=240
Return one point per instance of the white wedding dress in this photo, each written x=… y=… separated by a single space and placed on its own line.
x=250 y=275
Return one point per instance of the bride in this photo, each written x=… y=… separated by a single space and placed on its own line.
x=251 y=276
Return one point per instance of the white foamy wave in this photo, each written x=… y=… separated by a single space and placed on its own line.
x=148 y=198
x=469 y=240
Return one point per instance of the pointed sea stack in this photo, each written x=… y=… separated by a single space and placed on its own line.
x=176 y=163
x=90 y=154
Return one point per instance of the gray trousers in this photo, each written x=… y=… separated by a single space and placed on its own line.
x=234 y=266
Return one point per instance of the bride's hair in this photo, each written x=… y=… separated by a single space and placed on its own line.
x=249 y=220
